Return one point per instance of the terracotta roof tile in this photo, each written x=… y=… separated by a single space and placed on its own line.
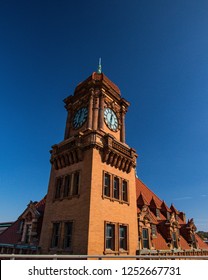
x=101 y=78
x=141 y=200
x=160 y=243
x=183 y=243
x=154 y=203
x=172 y=207
x=148 y=194
x=11 y=235
x=165 y=207
x=40 y=206
x=201 y=243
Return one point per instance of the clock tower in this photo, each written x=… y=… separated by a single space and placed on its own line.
x=91 y=200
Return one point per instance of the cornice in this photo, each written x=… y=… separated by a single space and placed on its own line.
x=112 y=152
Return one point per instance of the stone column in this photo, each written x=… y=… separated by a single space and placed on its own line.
x=68 y=122
x=122 y=131
x=89 y=125
x=95 y=111
x=101 y=110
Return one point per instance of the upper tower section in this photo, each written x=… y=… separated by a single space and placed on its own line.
x=96 y=105
x=95 y=119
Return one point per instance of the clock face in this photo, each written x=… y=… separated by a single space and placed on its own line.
x=80 y=117
x=111 y=119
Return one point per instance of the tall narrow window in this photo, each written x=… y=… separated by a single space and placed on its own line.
x=154 y=229
x=67 y=184
x=174 y=240
x=68 y=235
x=123 y=237
x=145 y=238
x=157 y=213
x=124 y=191
x=21 y=226
x=28 y=233
x=110 y=237
x=116 y=188
x=193 y=240
x=76 y=183
x=107 y=185
x=58 y=187
x=55 y=235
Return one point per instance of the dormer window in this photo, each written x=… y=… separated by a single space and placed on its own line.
x=193 y=240
x=21 y=226
x=145 y=238
x=174 y=240
x=157 y=213
x=154 y=230
x=28 y=233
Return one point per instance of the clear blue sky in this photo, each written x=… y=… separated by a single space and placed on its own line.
x=155 y=51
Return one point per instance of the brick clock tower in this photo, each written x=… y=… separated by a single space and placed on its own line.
x=91 y=200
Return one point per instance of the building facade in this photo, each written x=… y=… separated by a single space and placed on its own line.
x=91 y=201
x=95 y=204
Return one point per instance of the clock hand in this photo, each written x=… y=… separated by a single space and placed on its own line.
x=82 y=116
x=111 y=117
x=79 y=116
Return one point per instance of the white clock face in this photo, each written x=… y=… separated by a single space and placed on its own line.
x=111 y=119
x=80 y=117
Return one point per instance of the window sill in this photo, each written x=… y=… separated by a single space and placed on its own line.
x=66 y=197
x=111 y=252
x=115 y=200
x=57 y=250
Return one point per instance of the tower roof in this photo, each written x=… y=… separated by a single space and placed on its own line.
x=97 y=79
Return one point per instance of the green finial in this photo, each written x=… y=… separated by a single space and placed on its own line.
x=99 y=67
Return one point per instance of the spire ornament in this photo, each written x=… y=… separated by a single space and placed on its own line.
x=99 y=71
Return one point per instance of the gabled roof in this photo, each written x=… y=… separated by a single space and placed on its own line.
x=165 y=207
x=144 y=212
x=141 y=200
x=40 y=206
x=151 y=198
x=154 y=203
x=147 y=198
x=147 y=193
x=12 y=234
x=172 y=207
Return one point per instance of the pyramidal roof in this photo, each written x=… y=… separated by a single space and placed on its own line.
x=97 y=79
